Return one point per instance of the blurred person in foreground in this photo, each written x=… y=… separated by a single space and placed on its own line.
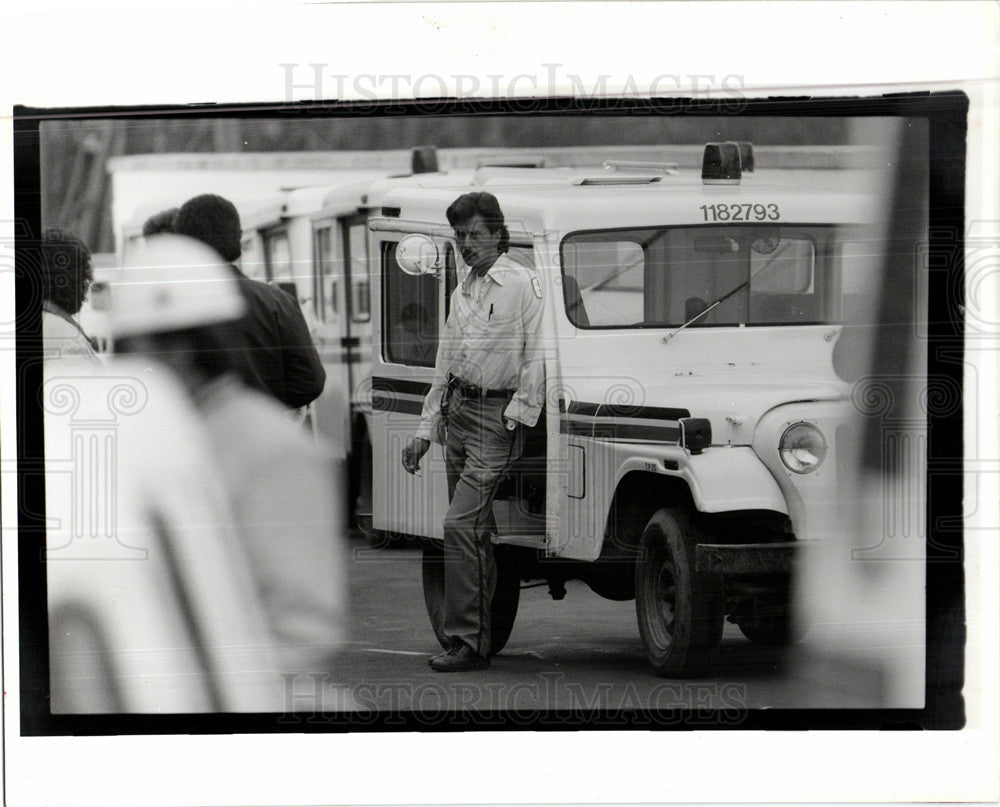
x=281 y=484
x=281 y=359
x=66 y=275
x=152 y=604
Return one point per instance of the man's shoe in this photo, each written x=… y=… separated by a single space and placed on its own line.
x=459 y=658
x=438 y=656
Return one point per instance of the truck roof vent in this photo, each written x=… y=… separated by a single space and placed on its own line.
x=721 y=164
x=618 y=180
x=746 y=155
x=519 y=161
x=634 y=165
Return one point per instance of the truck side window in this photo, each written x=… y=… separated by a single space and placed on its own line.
x=356 y=246
x=252 y=260
x=603 y=281
x=278 y=254
x=410 y=313
x=324 y=278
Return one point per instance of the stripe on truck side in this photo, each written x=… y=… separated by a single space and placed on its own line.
x=621 y=422
x=380 y=384
x=626 y=411
x=393 y=395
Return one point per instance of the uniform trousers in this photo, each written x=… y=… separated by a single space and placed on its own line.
x=479 y=450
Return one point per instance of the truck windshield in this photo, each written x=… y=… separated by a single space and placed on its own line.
x=663 y=277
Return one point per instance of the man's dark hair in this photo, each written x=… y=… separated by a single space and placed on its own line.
x=484 y=204
x=162 y=222
x=213 y=221
x=66 y=270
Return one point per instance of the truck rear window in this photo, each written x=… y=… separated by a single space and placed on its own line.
x=663 y=277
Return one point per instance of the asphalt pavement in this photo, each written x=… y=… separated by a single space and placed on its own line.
x=580 y=654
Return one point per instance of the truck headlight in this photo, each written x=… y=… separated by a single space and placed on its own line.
x=802 y=448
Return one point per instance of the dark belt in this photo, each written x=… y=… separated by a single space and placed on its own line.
x=472 y=391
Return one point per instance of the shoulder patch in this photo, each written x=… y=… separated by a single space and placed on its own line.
x=536 y=286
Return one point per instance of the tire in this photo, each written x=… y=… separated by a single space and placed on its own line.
x=359 y=484
x=506 y=596
x=680 y=611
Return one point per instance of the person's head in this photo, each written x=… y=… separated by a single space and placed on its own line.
x=66 y=270
x=479 y=229
x=158 y=223
x=177 y=302
x=213 y=221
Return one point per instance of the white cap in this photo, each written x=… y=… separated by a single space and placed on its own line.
x=169 y=283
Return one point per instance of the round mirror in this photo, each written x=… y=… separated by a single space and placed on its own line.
x=417 y=254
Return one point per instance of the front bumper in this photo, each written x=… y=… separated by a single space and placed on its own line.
x=766 y=558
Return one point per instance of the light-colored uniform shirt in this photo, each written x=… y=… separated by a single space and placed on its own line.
x=491 y=340
x=62 y=337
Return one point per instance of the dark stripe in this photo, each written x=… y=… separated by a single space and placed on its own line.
x=567 y=426
x=626 y=411
x=621 y=431
x=394 y=385
x=382 y=402
x=628 y=431
x=186 y=608
x=579 y=408
x=335 y=356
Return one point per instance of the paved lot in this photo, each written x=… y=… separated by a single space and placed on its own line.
x=581 y=653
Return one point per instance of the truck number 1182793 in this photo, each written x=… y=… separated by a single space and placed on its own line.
x=741 y=212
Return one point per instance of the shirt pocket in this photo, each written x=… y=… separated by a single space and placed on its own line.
x=501 y=335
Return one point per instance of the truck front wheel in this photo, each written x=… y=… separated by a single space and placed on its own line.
x=506 y=596
x=680 y=611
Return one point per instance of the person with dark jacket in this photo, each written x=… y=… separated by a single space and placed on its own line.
x=281 y=359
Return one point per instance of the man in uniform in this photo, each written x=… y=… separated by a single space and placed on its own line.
x=488 y=388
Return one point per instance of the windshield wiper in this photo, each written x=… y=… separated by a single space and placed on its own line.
x=759 y=270
x=708 y=308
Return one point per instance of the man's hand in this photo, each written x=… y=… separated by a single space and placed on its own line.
x=412 y=453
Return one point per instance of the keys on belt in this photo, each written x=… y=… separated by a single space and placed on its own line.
x=472 y=391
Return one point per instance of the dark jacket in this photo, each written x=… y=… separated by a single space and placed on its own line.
x=281 y=358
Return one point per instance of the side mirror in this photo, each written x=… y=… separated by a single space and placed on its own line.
x=417 y=254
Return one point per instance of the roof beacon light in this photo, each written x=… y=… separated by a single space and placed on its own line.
x=423 y=160
x=746 y=155
x=721 y=164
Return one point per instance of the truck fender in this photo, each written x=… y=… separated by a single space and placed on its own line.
x=721 y=478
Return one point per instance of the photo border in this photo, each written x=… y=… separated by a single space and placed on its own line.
x=946 y=113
